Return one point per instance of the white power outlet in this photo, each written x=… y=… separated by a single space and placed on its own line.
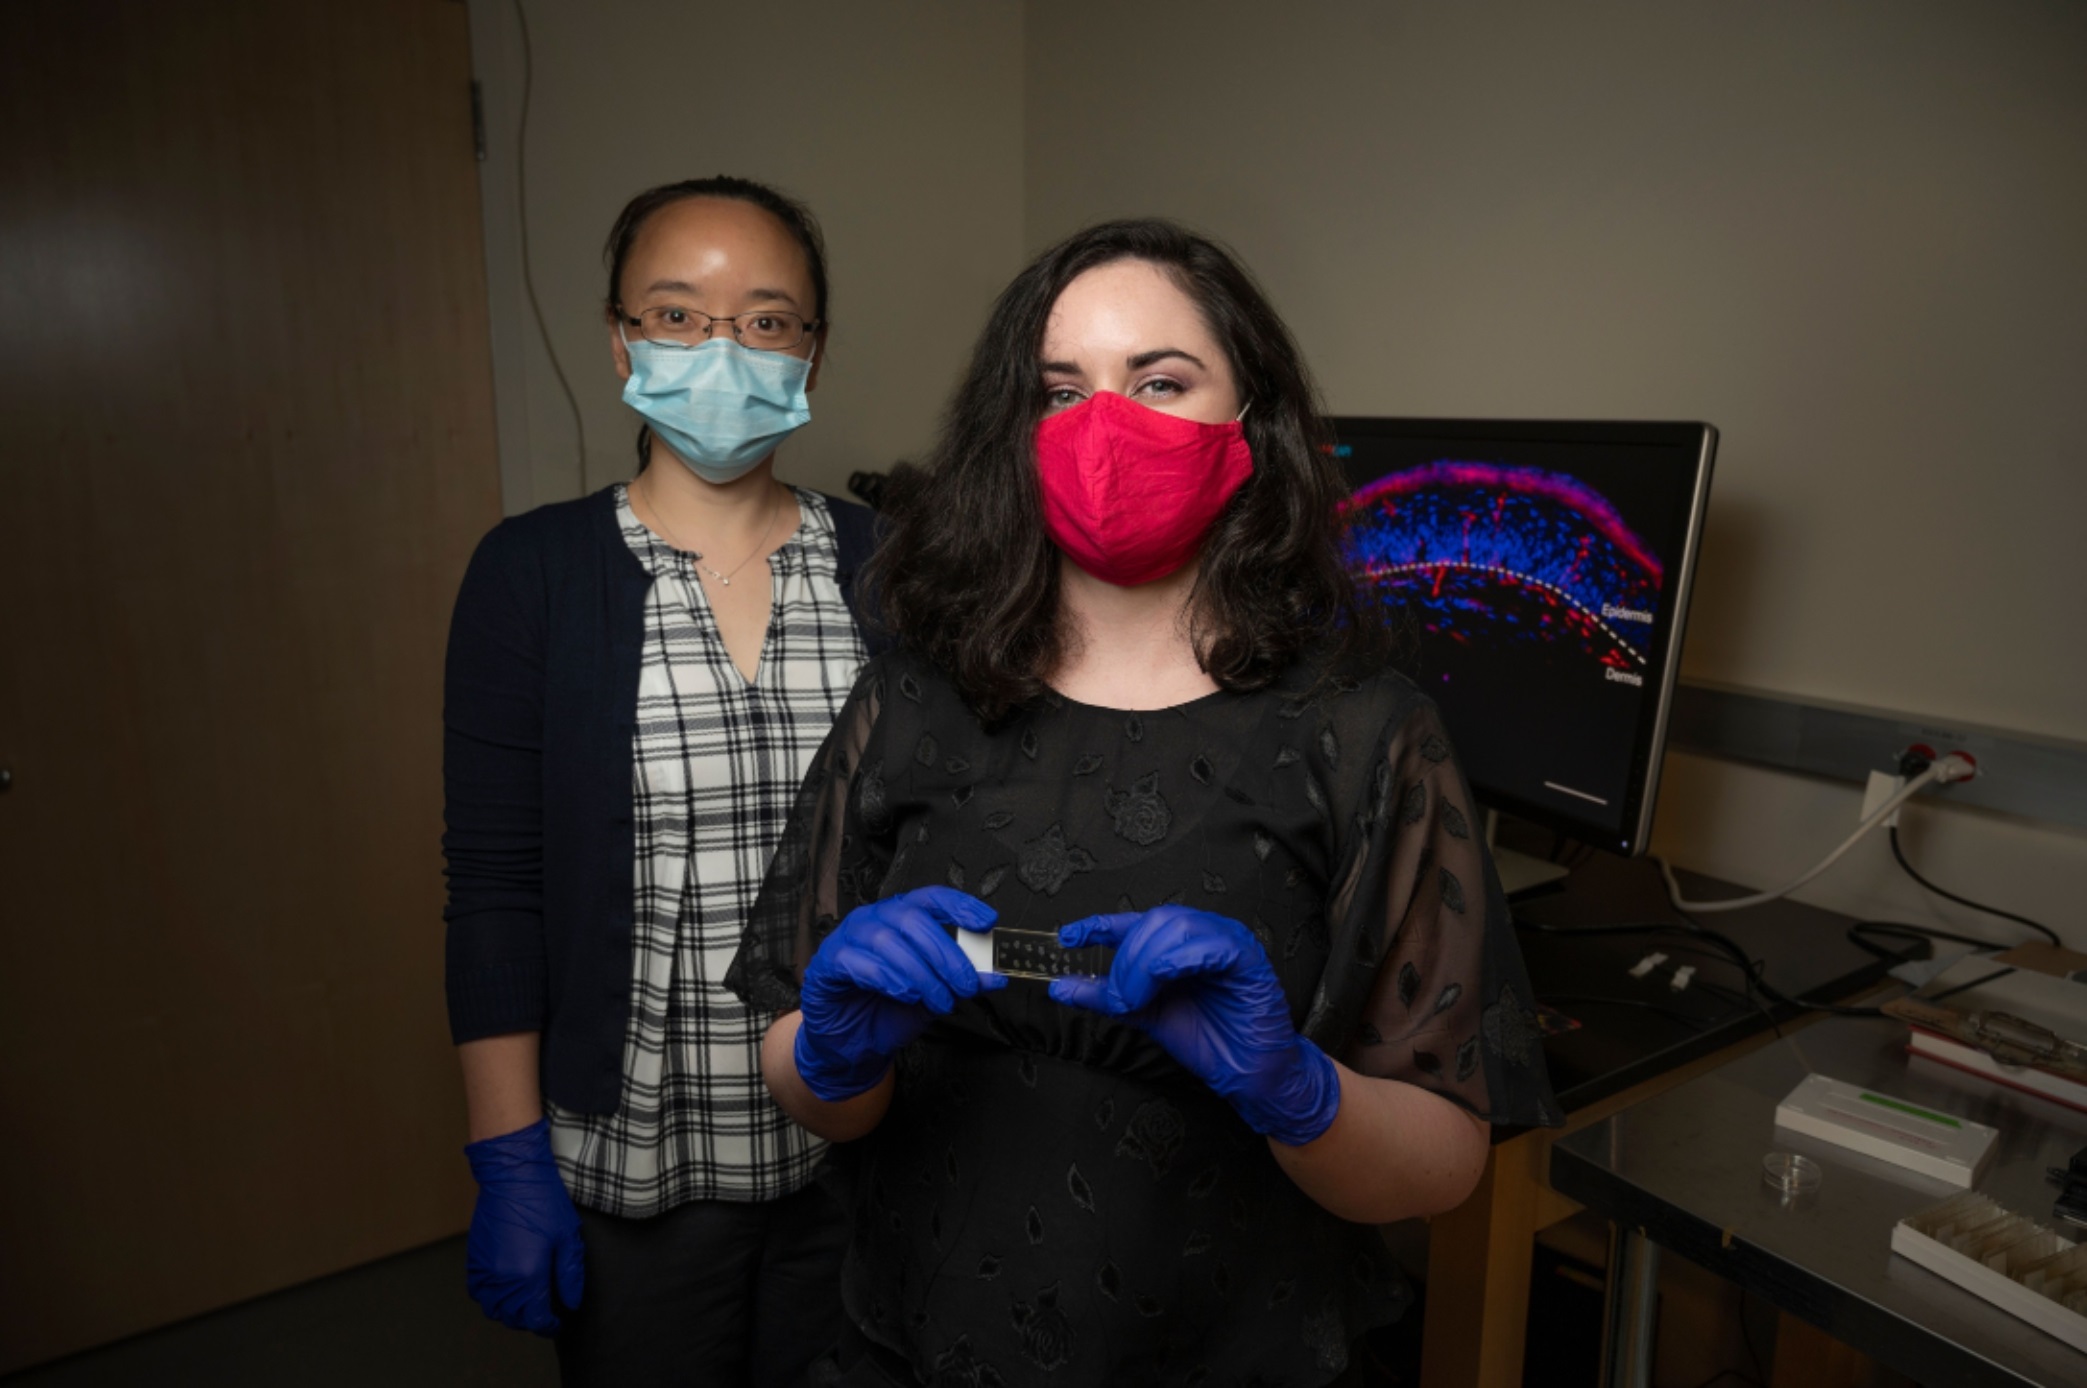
x=1883 y=785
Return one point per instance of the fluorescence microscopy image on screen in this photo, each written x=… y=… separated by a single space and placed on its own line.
x=1535 y=577
x=1509 y=554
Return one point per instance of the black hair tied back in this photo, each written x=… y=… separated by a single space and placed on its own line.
x=797 y=219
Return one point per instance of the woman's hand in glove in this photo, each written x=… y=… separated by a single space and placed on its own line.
x=876 y=982
x=525 y=1234
x=1202 y=987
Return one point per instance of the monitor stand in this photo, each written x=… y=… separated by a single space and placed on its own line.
x=1519 y=872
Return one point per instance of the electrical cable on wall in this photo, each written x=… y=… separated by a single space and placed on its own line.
x=522 y=222
x=1899 y=853
x=1950 y=768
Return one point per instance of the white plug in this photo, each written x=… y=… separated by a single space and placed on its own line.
x=1958 y=766
x=1647 y=964
x=1883 y=785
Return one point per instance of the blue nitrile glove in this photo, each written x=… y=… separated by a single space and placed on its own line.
x=1202 y=987
x=524 y=1231
x=876 y=982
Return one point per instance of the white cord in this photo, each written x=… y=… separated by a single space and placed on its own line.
x=543 y=329
x=1950 y=768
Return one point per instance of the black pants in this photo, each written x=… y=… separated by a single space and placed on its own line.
x=860 y=1362
x=708 y=1293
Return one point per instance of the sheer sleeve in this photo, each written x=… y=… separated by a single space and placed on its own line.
x=1427 y=984
x=835 y=850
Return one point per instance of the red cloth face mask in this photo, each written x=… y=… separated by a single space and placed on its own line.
x=1128 y=492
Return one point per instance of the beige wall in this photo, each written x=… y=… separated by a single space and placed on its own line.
x=899 y=122
x=1849 y=235
x=1846 y=234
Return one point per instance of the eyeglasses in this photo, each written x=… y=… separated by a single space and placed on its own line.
x=765 y=330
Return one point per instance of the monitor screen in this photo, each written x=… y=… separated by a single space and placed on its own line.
x=1543 y=570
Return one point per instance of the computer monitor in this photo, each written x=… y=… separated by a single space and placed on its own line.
x=1544 y=571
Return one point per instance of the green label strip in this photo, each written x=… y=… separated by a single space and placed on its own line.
x=1882 y=1102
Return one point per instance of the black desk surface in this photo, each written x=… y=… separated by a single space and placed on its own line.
x=1634 y=1029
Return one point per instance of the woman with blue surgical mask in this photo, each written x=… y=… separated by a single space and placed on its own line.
x=637 y=681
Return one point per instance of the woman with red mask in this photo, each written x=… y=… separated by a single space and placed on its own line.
x=1132 y=934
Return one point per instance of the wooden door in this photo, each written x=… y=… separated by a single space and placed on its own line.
x=246 y=446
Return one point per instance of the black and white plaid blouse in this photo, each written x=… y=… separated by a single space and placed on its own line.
x=718 y=765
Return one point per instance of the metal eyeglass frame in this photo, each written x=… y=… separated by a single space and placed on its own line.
x=811 y=326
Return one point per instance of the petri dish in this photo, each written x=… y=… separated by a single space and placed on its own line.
x=1790 y=1173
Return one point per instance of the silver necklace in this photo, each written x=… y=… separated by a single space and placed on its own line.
x=724 y=580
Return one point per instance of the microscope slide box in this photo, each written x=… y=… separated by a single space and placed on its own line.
x=1892 y=1130
x=2016 y=1264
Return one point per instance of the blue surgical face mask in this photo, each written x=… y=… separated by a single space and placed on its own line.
x=719 y=406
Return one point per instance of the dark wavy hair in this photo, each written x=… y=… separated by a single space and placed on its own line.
x=967 y=575
x=797 y=219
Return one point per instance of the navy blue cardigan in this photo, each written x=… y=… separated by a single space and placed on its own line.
x=539 y=703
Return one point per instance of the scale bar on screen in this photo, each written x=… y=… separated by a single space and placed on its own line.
x=1576 y=794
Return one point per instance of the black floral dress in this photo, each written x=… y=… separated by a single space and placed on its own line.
x=1051 y=1199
